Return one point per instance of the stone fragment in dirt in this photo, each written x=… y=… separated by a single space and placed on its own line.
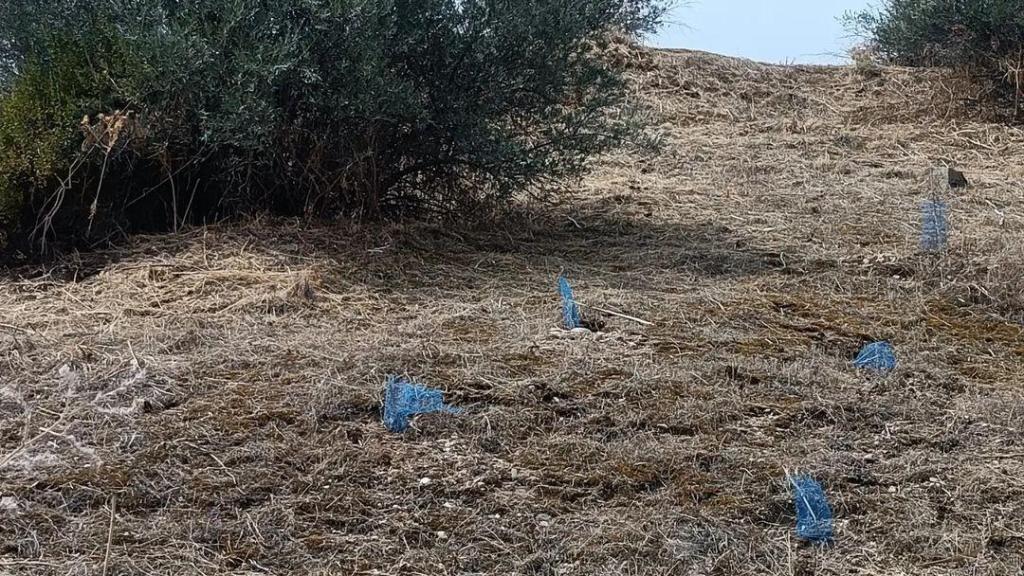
x=8 y=504
x=573 y=334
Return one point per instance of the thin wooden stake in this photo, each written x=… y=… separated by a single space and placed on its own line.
x=110 y=533
x=617 y=314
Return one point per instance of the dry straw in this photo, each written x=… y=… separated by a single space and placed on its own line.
x=224 y=383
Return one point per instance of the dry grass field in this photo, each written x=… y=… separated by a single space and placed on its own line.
x=209 y=402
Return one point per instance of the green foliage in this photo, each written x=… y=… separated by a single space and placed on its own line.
x=985 y=36
x=365 y=108
x=38 y=138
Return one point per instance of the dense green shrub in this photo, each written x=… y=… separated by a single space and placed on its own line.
x=126 y=114
x=982 y=36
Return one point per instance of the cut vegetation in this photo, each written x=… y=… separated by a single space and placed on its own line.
x=208 y=402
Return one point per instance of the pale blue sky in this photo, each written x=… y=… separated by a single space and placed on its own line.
x=777 y=31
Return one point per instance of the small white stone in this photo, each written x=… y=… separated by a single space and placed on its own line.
x=426 y=481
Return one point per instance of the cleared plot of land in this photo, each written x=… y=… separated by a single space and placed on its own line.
x=208 y=403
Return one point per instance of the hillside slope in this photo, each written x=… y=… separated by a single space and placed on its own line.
x=208 y=402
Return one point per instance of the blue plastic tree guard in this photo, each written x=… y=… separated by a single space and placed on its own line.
x=404 y=399
x=934 y=225
x=813 y=514
x=570 y=309
x=877 y=356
